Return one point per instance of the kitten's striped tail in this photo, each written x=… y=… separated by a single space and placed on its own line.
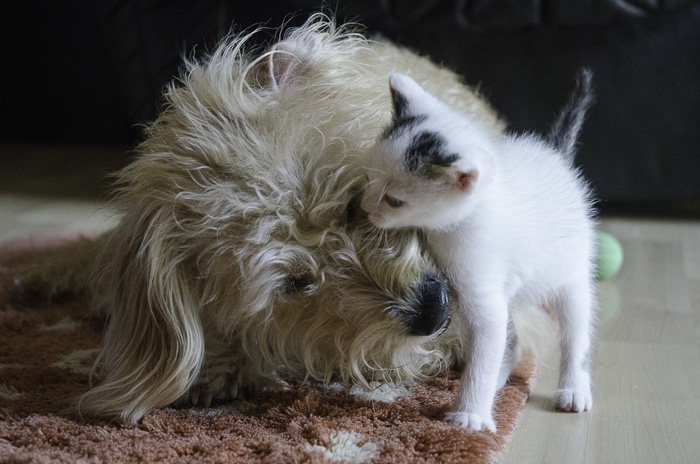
x=565 y=131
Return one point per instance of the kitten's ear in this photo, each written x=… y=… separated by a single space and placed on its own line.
x=464 y=180
x=405 y=95
x=476 y=175
x=285 y=62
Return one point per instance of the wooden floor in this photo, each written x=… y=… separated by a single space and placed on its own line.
x=647 y=363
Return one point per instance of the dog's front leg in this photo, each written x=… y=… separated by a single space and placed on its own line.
x=487 y=319
x=229 y=374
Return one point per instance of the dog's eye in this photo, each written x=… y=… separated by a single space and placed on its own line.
x=393 y=202
x=353 y=208
x=350 y=211
x=294 y=284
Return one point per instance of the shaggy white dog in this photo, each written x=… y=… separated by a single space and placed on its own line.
x=241 y=249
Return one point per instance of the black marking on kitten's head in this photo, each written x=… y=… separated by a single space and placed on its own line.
x=427 y=148
x=400 y=126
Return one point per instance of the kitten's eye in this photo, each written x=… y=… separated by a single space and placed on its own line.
x=393 y=202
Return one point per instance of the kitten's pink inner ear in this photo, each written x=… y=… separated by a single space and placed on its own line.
x=465 y=180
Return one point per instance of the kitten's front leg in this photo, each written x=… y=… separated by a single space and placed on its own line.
x=488 y=323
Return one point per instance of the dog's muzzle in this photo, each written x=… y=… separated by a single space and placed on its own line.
x=432 y=309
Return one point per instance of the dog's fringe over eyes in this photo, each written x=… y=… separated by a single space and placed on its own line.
x=238 y=255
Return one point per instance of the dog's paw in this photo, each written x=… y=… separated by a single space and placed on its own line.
x=229 y=387
x=471 y=421
x=224 y=388
x=572 y=400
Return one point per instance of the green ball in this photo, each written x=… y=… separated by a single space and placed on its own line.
x=609 y=259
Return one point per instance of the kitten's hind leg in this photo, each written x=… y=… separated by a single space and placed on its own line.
x=510 y=357
x=575 y=319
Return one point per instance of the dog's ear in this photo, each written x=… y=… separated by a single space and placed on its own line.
x=154 y=343
x=287 y=61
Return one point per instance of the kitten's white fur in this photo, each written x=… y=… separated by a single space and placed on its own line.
x=509 y=221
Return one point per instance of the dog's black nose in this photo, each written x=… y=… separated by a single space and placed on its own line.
x=432 y=308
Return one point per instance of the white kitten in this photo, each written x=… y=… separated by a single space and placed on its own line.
x=508 y=219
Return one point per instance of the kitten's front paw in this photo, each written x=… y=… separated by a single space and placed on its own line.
x=571 y=400
x=471 y=421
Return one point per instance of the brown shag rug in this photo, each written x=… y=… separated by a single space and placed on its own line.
x=46 y=351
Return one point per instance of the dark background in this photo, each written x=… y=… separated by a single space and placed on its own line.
x=90 y=73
